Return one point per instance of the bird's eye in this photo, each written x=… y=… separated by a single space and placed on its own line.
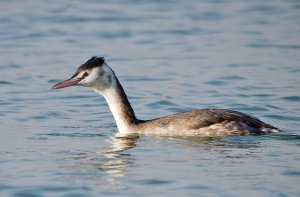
x=85 y=75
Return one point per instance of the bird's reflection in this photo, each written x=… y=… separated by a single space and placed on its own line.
x=102 y=168
x=122 y=142
x=114 y=161
x=109 y=166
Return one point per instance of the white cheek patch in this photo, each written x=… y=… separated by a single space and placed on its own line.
x=90 y=79
x=99 y=77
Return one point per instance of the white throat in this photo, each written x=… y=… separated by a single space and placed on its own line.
x=114 y=102
x=104 y=82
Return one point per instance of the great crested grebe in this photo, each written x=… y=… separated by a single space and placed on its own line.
x=95 y=73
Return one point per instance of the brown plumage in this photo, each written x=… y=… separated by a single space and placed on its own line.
x=208 y=122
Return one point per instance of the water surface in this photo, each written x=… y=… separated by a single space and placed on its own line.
x=170 y=56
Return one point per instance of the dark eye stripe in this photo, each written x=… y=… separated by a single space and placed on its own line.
x=85 y=75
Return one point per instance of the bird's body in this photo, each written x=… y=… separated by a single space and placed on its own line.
x=97 y=74
x=206 y=122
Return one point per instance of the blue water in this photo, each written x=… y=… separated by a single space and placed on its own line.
x=170 y=56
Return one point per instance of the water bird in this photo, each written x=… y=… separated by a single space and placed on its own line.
x=96 y=73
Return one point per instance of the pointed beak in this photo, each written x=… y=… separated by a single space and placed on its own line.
x=66 y=83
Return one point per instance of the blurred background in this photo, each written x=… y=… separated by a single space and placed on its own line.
x=170 y=56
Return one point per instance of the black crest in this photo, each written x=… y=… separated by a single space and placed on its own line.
x=91 y=63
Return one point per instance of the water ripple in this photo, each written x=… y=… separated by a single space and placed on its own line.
x=297 y=47
x=291 y=98
x=5 y=83
x=79 y=135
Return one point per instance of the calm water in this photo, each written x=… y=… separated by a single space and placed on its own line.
x=170 y=56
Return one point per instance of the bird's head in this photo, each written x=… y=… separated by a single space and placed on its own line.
x=94 y=73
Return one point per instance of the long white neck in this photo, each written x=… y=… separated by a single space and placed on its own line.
x=119 y=106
